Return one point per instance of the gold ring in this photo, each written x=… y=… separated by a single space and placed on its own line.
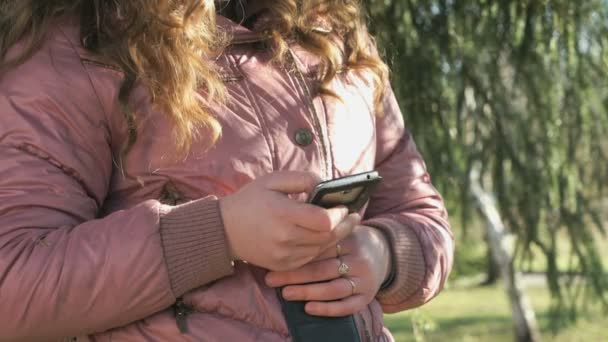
x=352 y=285
x=338 y=250
x=343 y=268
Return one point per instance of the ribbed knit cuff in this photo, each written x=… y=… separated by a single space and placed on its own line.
x=408 y=262
x=194 y=242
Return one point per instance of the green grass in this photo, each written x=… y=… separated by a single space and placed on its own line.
x=483 y=314
x=466 y=313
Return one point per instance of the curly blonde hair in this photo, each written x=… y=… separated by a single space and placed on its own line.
x=300 y=20
x=165 y=46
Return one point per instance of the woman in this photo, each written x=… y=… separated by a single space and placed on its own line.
x=151 y=184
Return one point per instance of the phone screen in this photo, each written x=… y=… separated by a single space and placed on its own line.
x=346 y=196
x=352 y=191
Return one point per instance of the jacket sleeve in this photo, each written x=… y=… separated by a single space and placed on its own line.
x=64 y=271
x=411 y=213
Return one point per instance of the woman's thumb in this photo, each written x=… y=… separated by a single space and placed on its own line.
x=291 y=182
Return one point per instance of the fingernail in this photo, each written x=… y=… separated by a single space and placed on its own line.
x=288 y=293
x=270 y=281
x=310 y=308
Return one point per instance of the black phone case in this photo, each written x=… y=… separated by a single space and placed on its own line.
x=369 y=180
x=302 y=326
x=306 y=328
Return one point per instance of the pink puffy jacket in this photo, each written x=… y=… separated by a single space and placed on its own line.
x=90 y=254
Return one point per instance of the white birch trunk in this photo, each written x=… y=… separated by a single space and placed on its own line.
x=501 y=245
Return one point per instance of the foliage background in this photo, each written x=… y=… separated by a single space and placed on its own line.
x=518 y=88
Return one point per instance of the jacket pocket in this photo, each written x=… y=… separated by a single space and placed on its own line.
x=370 y=322
x=101 y=337
x=363 y=320
x=361 y=329
x=377 y=319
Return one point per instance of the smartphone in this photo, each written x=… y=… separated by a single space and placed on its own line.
x=350 y=191
x=306 y=328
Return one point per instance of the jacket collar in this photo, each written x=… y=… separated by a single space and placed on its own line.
x=242 y=35
x=239 y=33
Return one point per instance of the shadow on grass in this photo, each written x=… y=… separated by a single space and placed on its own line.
x=478 y=325
x=481 y=314
x=556 y=322
x=470 y=328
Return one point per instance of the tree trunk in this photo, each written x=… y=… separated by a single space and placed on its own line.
x=492 y=271
x=501 y=245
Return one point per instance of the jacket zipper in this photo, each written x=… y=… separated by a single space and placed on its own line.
x=359 y=320
x=181 y=311
x=313 y=113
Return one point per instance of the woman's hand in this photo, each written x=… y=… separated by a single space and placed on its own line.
x=268 y=229
x=367 y=254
